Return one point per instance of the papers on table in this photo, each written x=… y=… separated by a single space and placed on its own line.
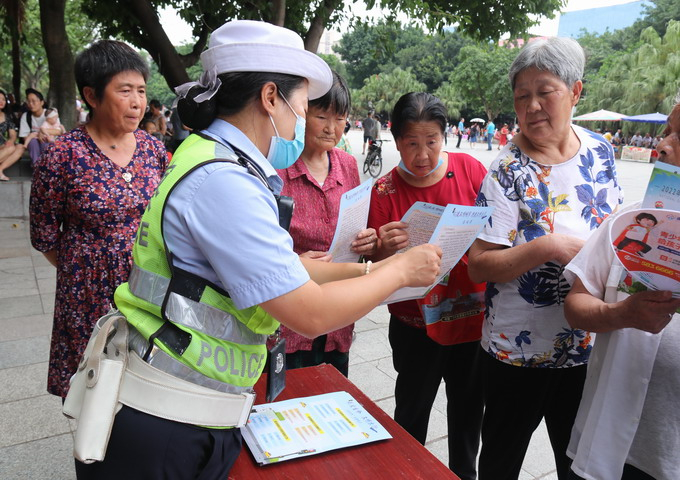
x=306 y=426
x=647 y=242
x=453 y=228
x=352 y=219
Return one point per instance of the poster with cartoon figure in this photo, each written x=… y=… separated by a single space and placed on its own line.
x=647 y=242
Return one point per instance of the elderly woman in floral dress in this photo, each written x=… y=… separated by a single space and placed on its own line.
x=551 y=187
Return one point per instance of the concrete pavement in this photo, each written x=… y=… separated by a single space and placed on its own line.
x=36 y=440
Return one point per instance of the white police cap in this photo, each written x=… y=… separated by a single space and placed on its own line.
x=252 y=46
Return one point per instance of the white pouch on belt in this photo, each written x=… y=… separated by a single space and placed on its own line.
x=93 y=395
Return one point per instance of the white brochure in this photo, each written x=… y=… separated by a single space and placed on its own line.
x=352 y=219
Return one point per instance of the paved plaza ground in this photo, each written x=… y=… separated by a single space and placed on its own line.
x=36 y=439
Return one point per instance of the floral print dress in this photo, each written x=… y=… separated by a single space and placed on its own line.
x=525 y=324
x=88 y=209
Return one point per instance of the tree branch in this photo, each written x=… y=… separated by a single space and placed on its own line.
x=318 y=24
x=159 y=46
x=192 y=57
x=278 y=12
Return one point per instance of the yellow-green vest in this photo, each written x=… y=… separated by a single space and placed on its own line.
x=206 y=339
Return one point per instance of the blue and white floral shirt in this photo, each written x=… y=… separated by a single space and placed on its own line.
x=524 y=323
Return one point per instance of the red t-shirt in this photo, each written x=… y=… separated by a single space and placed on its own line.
x=392 y=197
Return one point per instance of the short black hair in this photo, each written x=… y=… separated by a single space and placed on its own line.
x=237 y=90
x=98 y=64
x=416 y=107
x=155 y=103
x=35 y=92
x=647 y=216
x=337 y=99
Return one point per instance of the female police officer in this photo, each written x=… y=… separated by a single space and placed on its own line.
x=213 y=268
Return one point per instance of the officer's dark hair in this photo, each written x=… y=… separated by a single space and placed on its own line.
x=237 y=90
x=98 y=64
x=416 y=107
x=337 y=99
x=647 y=216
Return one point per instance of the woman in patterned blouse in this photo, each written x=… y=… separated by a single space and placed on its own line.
x=317 y=181
x=551 y=187
x=90 y=188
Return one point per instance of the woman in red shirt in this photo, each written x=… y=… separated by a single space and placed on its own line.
x=428 y=174
x=317 y=181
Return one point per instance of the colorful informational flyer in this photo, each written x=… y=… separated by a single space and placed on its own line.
x=663 y=190
x=307 y=426
x=352 y=219
x=456 y=228
x=647 y=242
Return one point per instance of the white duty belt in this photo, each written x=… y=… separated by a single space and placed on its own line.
x=152 y=391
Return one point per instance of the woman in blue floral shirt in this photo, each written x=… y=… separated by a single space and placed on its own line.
x=552 y=186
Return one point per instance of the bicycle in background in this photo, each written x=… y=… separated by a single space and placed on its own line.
x=373 y=162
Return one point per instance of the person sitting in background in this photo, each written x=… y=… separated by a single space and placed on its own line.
x=52 y=126
x=317 y=181
x=156 y=116
x=149 y=126
x=10 y=151
x=647 y=140
x=636 y=140
x=29 y=125
x=628 y=423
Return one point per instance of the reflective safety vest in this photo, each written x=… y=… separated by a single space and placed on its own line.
x=195 y=331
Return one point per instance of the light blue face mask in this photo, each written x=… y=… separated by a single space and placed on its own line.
x=403 y=167
x=283 y=153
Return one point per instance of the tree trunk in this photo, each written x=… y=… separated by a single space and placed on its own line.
x=158 y=44
x=278 y=12
x=62 y=93
x=16 y=66
x=318 y=23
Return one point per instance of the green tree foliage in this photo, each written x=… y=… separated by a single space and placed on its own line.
x=645 y=80
x=481 y=78
x=336 y=64
x=137 y=20
x=450 y=97
x=370 y=49
x=381 y=91
x=80 y=30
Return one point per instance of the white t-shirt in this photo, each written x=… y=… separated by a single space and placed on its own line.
x=628 y=411
x=525 y=324
x=36 y=122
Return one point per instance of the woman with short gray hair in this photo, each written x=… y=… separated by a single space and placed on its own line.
x=551 y=186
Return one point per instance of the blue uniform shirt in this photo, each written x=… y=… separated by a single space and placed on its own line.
x=221 y=223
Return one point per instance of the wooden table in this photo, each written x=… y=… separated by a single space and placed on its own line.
x=400 y=457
